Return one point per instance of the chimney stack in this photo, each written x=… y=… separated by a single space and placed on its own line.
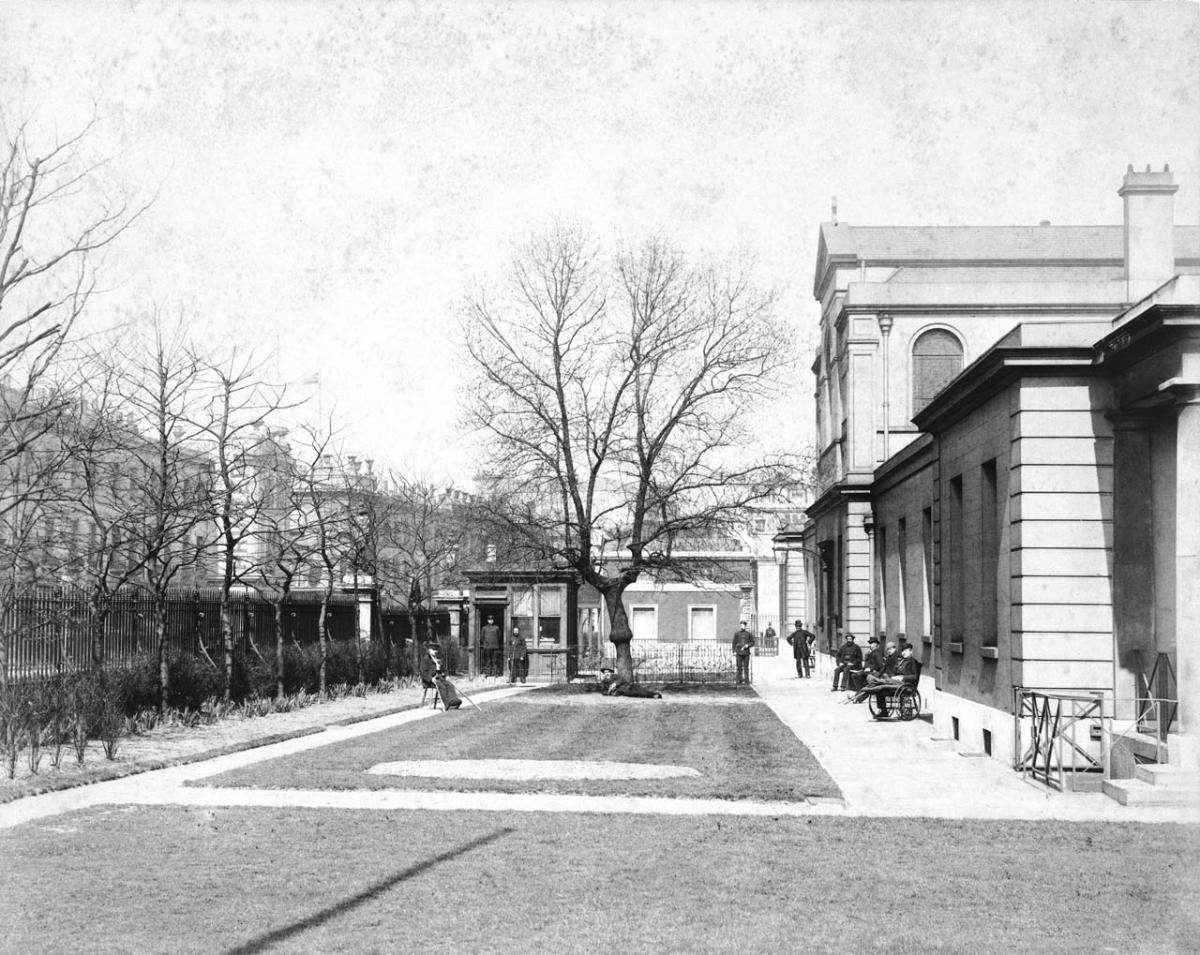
x=1149 y=230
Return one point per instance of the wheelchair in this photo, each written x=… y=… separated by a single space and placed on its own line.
x=895 y=702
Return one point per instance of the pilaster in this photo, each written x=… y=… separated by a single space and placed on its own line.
x=1132 y=554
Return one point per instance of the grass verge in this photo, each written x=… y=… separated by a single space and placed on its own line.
x=291 y=880
x=740 y=748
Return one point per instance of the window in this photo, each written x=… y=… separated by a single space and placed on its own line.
x=927 y=570
x=881 y=561
x=644 y=622
x=989 y=547
x=702 y=623
x=937 y=358
x=952 y=569
x=902 y=581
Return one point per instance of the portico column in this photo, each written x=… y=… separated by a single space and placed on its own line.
x=1133 y=593
x=1185 y=750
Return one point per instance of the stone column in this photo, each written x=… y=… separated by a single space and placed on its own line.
x=1185 y=747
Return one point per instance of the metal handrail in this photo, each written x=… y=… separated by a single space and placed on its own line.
x=1052 y=730
x=1147 y=710
x=1158 y=681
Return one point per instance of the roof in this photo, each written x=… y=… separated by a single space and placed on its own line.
x=1036 y=246
x=1041 y=243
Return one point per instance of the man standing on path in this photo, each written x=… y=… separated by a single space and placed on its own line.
x=518 y=656
x=490 y=637
x=849 y=659
x=743 y=642
x=801 y=641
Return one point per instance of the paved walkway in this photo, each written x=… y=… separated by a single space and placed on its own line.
x=887 y=768
x=883 y=769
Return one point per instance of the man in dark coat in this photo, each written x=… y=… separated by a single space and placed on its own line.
x=891 y=658
x=613 y=685
x=518 y=656
x=802 y=641
x=849 y=658
x=743 y=643
x=873 y=661
x=489 y=637
x=433 y=676
x=427 y=667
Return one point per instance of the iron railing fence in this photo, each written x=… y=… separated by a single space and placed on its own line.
x=769 y=632
x=655 y=662
x=48 y=631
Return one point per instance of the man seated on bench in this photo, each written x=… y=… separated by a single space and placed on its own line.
x=907 y=672
x=613 y=685
x=872 y=666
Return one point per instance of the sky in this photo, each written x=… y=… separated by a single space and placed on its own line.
x=330 y=180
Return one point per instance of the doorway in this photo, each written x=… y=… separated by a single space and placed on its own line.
x=491 y=659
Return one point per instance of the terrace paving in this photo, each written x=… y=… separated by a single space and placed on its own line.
x=882 y=769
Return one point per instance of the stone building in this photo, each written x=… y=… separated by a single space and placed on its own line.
x=1009 y=432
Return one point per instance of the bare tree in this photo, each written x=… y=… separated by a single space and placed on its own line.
x=618 y=404
x=160 y=384
x=232 y=421
x=100 y=491
x=422 y=534
x=286 y=537
x=325 y=516
x=52 y=221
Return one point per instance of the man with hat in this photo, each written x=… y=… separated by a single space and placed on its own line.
x=801 y=641
x=743 y=642
x=849 y=658
x=873 y=661
x=891 y=658
x=490 y=638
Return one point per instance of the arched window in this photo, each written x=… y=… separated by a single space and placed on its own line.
x=937 y=358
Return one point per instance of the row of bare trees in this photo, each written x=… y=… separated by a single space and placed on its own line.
x=139 y=457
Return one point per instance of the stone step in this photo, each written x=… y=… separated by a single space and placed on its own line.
x=1136 y=792
x=1162 y=774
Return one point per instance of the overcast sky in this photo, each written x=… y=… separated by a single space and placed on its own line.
x=333 y=177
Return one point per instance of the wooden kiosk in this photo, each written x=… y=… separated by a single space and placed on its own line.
x=543 y=603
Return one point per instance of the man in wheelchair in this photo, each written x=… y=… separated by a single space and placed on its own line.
x=907 y=672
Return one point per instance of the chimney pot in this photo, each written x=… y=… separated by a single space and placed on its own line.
x=1149 y=230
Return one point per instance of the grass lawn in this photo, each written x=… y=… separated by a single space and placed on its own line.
x=291 y=880
x=738 y=745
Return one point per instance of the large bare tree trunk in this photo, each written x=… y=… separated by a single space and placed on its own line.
x=621 y=633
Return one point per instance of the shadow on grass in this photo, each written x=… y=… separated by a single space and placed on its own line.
x=263 y=942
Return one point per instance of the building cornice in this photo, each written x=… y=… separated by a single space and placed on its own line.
x=995 y=370
x=838 y=494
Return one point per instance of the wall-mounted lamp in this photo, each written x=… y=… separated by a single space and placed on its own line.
x=869 y=523
x=780 y=550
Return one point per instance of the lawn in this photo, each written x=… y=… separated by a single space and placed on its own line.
x=736 y=743
x=291 y=880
